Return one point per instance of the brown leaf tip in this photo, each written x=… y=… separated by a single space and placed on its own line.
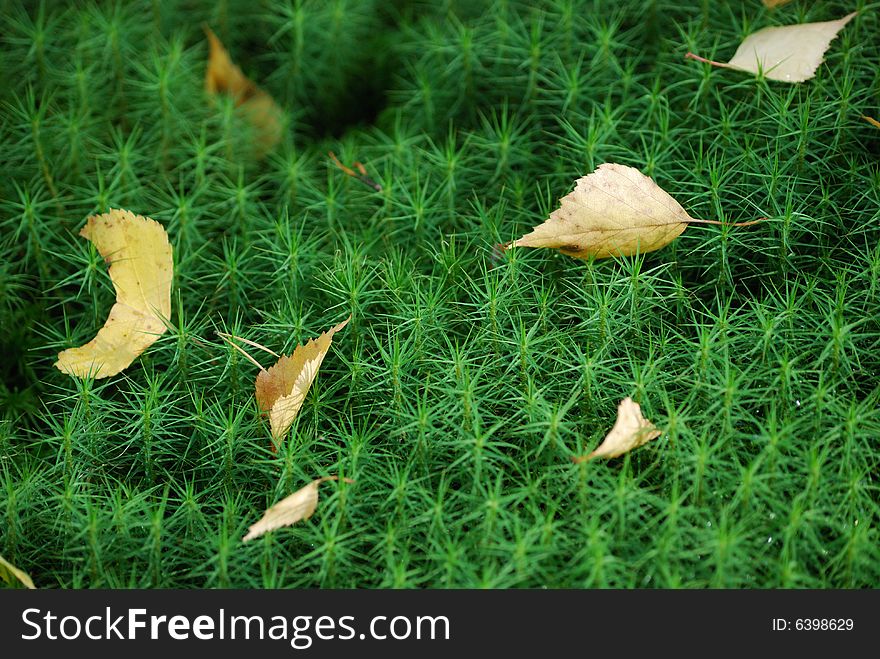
x=872 y=121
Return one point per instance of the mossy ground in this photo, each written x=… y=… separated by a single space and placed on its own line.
x=465 y=381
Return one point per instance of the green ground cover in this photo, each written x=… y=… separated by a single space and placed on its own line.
x=466 y=380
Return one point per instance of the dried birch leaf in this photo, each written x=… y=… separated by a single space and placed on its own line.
x=10 y=574
x=615 y=211
x=255 y=106
x=299 y=505
x=790 y=53
x=282 y=388
x=630 y=431
x=141 y=269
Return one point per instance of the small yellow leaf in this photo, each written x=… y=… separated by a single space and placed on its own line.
x=872 y=121
x=9 y=573
x=630 y=431
x=790 y=53
x=256 y=106
x=772 y=4
x=282 y=388
x=299 y=505
x=141 y=268
x=615 y=211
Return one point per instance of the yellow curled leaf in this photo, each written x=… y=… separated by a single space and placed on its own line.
x=141 y=268
x=630 y=431
x=10 y=574
x=298 y=506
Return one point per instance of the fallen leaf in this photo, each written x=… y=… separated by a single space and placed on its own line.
x=872 y=121
x=299 y=505
x=141 y=268
x=790 y=53
x=615 y=211
x=772 y=4
x=9 y=573
x=256 y=106
x=282 y=388
x=630 y=431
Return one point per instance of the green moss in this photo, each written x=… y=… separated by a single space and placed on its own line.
x=465 y=381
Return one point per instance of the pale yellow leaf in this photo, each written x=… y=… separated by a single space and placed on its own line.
x=298 y=506
x=282 y=388
x=771 y=4
x=141 y=269
x=9 y=573
x=256 y=106
x=790 y=53
x=630 y=431
x=615 y=211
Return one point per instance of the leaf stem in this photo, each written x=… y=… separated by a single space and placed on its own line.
x=250 y=343
x=324 y=479
x=228 y=338
x=728 y=224
x=723 y=65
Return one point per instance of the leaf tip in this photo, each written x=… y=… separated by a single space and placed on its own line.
x=871 y=121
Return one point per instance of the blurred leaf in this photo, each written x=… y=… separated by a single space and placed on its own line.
x=254 y=105
x=9 y=573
